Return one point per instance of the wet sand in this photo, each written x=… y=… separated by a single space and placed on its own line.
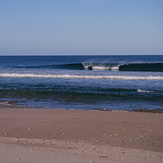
x=53 y=135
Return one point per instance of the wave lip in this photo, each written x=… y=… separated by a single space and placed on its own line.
x=116 y=77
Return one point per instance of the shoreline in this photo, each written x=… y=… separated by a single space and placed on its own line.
x=118 y=135
x=10 y=104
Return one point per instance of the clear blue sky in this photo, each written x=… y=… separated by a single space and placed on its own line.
x=81 y=26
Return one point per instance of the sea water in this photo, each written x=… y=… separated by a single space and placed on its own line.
x=82 y=82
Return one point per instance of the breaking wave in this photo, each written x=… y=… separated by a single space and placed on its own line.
x=103 y=66
x=116 y=77
x=124 y=66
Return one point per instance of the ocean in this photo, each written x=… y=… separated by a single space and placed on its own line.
x=82 y=82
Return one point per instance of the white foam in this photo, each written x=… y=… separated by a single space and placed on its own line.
x=116 y=77
x=87 y=65
x=115 y=68
x=100 y=68
x=144 y=91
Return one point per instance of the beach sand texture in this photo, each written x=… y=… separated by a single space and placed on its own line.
x=53 y=135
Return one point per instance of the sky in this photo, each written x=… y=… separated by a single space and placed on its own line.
x=111 y=27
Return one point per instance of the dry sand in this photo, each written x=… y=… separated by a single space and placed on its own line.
x=71 y=136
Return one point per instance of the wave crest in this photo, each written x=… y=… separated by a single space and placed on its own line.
x=102 y=66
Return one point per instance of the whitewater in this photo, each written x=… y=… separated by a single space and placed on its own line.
x=16 y=75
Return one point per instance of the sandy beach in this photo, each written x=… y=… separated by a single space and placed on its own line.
x=53 y=135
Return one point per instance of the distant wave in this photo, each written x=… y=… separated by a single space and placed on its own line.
x=116 y=77
x=103 y=66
